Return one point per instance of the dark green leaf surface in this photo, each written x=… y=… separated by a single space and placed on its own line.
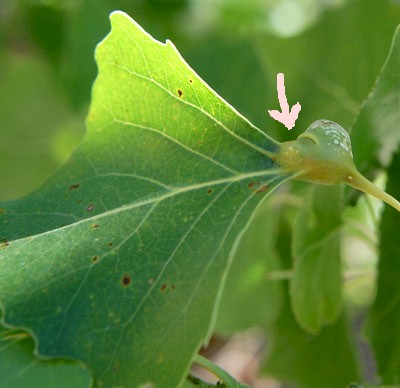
x=316 y=285
x=385 y=317
x=119 y=260
x=312 y=361
x=302 y=359
x=19 y=368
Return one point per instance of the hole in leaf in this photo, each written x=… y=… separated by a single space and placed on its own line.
x=90 y=208
x=262 y=189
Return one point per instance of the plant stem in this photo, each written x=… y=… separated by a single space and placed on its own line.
x=224 y=376
x=359 y=182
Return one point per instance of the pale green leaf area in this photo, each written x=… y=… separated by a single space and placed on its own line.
x=315 y=288
x=384 y=322
x=120 y=258
x=19 y=368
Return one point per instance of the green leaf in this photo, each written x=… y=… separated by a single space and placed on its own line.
x=323 y=360
x=376 y=133
x=303 y=359
x=250 y=296
x=384 y=327
x=315 y=288
x=119 y=260
x=19 y=368
x=298 y=357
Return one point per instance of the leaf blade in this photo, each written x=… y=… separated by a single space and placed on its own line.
x=128 y=246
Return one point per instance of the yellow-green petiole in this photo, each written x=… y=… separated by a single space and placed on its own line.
x=322 y=154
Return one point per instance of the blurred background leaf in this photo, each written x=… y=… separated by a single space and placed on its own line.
x=251 y=296
x=376 y=132
x=384 y=326
x=301 y=359
x=316 y=285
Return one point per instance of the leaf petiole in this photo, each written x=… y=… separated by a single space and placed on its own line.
x=224 y=376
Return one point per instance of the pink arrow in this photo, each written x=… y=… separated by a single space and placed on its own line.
x=286 y=117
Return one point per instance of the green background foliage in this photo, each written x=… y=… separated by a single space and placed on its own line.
x=331 y=62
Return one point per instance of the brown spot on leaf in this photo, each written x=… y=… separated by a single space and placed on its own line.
x=110 y=244
x=126 y=280
x=95 y=226
x=74 y=186
x=255 y=186
x=180 y=92
x=163 y=287
x=95 y=259
x=209 y=191
x=4 y=243
x=90 y=208
x=173 y=287
x=262 y=189
x=191 y=81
